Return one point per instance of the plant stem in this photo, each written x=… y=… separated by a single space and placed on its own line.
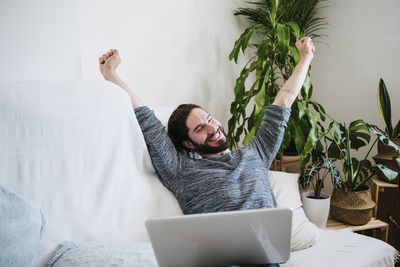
x=376 y=140
x=364 y=181
x=350 y=164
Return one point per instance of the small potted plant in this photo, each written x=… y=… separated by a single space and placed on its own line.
x=351 y=198
x=316 y=203
x=385 y=151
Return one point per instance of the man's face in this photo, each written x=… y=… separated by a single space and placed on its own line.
x=205 y=132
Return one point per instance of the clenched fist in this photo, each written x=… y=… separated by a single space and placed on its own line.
x=306 y=48
x=108 y=63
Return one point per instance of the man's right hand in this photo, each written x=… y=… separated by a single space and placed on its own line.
x=306 y=48
x=108 y=64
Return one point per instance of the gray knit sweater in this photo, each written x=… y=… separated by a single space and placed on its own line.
x=234 y=181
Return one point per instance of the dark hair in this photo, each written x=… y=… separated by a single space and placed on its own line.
x=177 y=129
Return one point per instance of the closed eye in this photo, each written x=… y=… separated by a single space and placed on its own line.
x=200 y=126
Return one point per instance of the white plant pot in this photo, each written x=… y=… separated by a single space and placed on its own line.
x=317 y=210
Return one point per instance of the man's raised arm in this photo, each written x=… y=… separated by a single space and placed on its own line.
x=108 y=64
x=289 y=91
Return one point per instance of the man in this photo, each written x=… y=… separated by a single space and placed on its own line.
x=193 y=159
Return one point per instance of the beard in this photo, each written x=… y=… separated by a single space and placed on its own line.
x=205 y=149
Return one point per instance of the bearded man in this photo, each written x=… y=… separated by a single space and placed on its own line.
x=193 y=160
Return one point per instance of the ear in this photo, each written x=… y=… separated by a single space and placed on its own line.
x=187 y=144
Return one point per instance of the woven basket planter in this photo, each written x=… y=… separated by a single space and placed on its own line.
x=352 y=207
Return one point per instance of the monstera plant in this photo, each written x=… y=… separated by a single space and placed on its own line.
x=270 y=40
x=356 y=172
x=351 y=200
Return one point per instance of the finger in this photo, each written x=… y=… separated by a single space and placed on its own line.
x=101 y=60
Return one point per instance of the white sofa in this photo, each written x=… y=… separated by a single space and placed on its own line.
x=75 y=149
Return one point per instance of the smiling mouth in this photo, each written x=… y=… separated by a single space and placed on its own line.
x=215 y=136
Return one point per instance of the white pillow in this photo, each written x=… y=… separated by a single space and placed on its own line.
x=286 y=191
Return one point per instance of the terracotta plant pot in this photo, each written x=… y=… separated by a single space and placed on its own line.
x=352 y=207
x=385 y=157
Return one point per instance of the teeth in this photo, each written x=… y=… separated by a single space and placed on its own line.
x=216 y=136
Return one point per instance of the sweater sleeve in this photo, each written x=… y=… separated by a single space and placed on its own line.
x=165 y=158
x=269 y=137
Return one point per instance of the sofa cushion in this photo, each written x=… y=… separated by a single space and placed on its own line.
x=93 y=255
x=286 y=190
x=76 y=149
x=21 y=230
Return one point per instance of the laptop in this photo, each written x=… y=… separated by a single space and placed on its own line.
x=222 y=239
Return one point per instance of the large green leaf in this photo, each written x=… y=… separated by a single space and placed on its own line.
x=384 y=139
x=283 y=34
x=396 y=130
x=295 y=28
x=306 y=88
x=397 y=162
x=337 y=133
x=312 y=136
x=358 y=134
x=295 y=53
x=297 y=134
x=320 y=109
x=259 y=100
x=263 y=50
x=389 y=174
x=302 y=107
x=250 y=135
x=335 y=178
x=385 y=107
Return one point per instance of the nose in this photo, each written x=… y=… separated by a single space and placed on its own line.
x=211 y=128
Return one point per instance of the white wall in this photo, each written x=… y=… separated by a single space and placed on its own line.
x=177 y=51
x=363 y=46
x=39 y=40
x=172 y=51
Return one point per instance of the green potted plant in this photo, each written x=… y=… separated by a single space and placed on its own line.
x=351 y=199
x=316 y=203
x=277 y=25
x=386 y=152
